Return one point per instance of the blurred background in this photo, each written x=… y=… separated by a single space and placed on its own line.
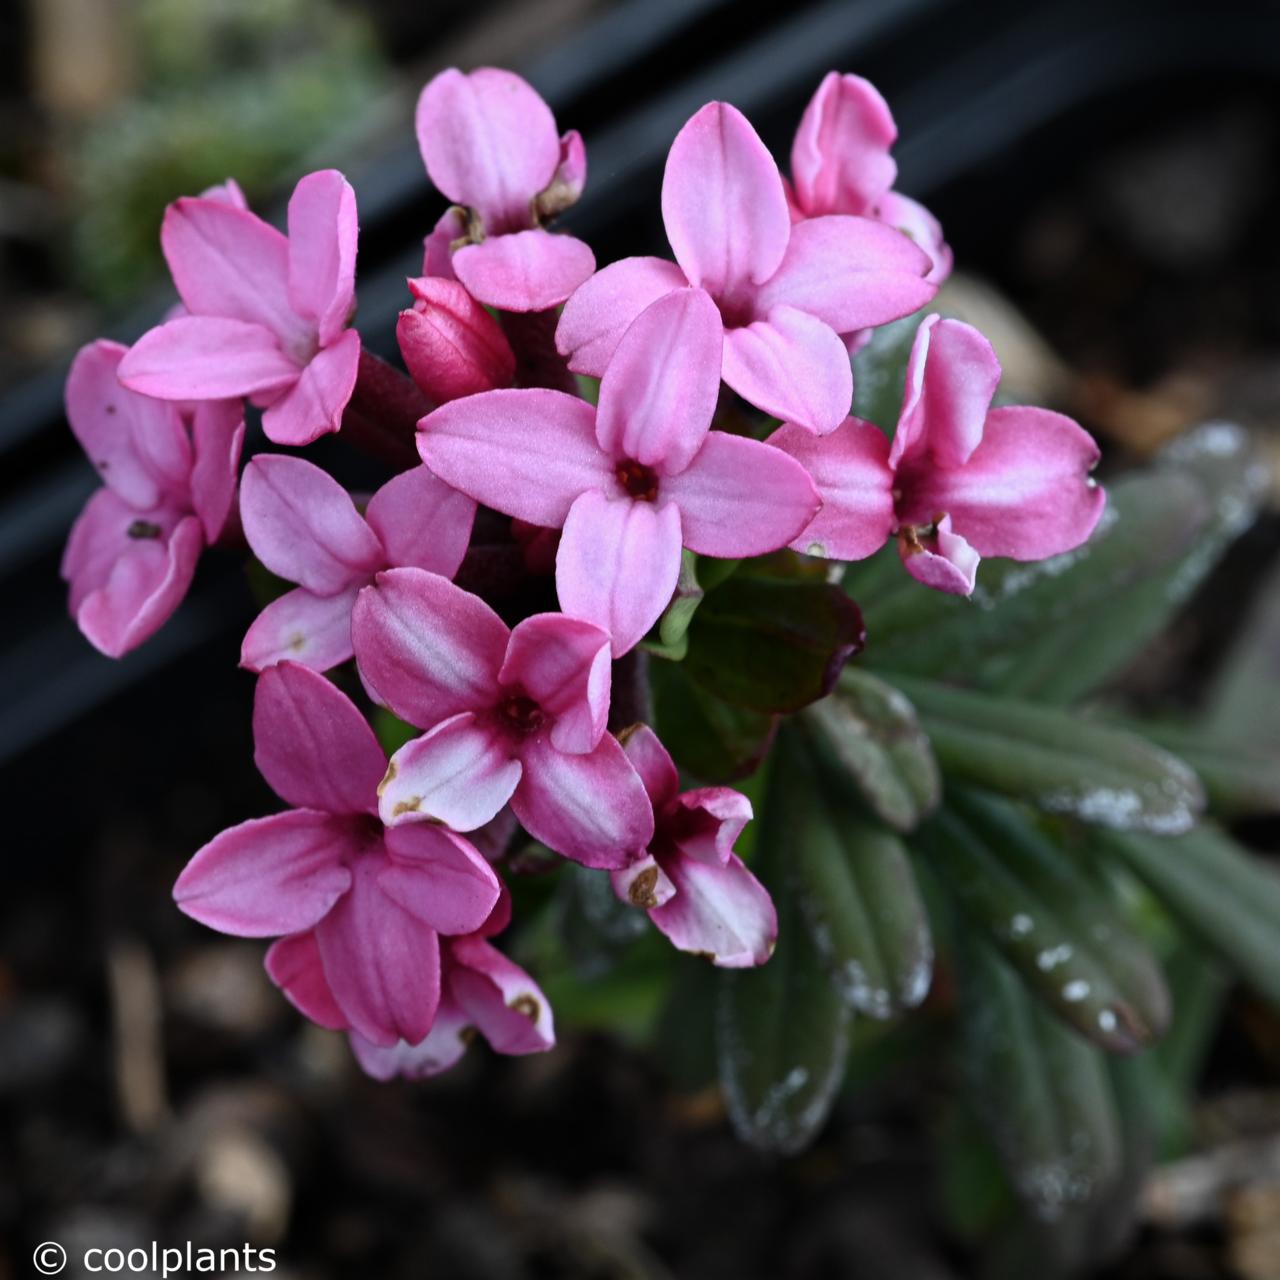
x=1107 y=176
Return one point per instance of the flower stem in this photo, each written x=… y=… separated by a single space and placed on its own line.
x=382 y=415
x=532 y=336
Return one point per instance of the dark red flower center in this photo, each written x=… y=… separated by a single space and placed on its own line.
x=521 y=713
x=143 y=529
x=638 y=480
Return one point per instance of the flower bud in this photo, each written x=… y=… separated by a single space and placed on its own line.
x=451 y=345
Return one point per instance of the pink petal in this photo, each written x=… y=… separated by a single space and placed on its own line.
x=322 y=251
x=206 y=358
x=952 y=374
x=850 y=468
x=840 y=160
x=303 y=526
x=566 y=186
x=741 y=498
x=421 y=522
x=294 y=965
x=618 y=563
x=313 y=406
x=488 y=141
x=791 y=366
x=852 y=273
x=653 y=762
x=302 y=627
x=500 y=998
x=217 y=436
x=428 y=649
x=138 y=446
x=524 y=270
x=600 y=312
x=591 y=808
x=437 y=248
x=659 y=393
x=916 y=221
x=942 y=560
x=100 y=536
x=722 y=912
x=1025 y=492
x=226 y=262
x=382 y=964
x=723 y=202
x=460 y=773
x=268 y=876
x=563 y=664
x=227 y=192
x=313 y=747
x=706 y=823
x=445 y=1043
x=438 y=877
x=528 y=453
x=643 y=884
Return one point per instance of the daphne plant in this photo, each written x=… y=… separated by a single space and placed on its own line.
x=658 y=627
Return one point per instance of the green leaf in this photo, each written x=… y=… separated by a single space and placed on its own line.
x=392 y=732
x=782 y=1032
x=770 y=644
x=1055 y=925
x=1042 y=1094
x=679 y=613
x=1223 y=895
x=1059 y=762
x=880 y=370
x=712 y=739
x=867 y=733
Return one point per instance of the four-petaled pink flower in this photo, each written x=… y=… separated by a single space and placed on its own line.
x=267 y=315
x=693 y=885
x=371 y=902
x=169 y=475
x=840 y=163
x=960 y=480
x=304 y=527
x=490 y=144
x=784 y=293
x=514 y=715
x=632 y=481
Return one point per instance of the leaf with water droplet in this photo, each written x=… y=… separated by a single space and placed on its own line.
x=1059 y=762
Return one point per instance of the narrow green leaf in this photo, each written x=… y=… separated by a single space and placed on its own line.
x=1225 y=896
x=867 y=733
x=679 y=613
x=772 y=645
x=1059 y=762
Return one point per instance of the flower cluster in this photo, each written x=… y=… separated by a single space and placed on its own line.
x=720 y=428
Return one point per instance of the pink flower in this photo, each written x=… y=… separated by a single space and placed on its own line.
x=371 y=902
x=267 y=314
x=451 y=345
x=509 y=715
x=840 y=163
x=490 y=144
x=784 y=293
x=632 y=481
x=694 y=887
x=304 y=527
x=961 y=480
x=169 y=473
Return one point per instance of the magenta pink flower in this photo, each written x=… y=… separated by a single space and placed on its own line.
x=490 y=144
x=303 y=525
x=694 y=887
x=267 y=315
x=632 y=481
x=509 y=715
x=840 y=163
x=372 y=902
x=169 y=474
x=784 y=293
x=961 y=480
x=451 y=345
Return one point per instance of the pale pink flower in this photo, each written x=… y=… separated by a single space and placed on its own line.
x=632 y=481
x=169 y=476
x=961 y=480
x=267 y=314
x=510 y=715
x=372 y=902
x=694 y=887
x=304 y=527
x=784 y=293
x=490 y=144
